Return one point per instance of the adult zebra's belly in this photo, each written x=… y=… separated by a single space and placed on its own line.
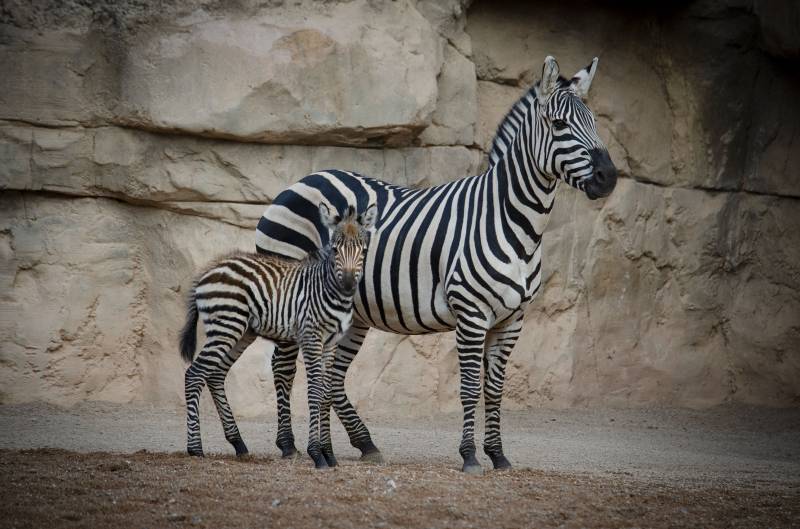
x=403 y=306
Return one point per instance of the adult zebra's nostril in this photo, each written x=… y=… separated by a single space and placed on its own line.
x=600 y=177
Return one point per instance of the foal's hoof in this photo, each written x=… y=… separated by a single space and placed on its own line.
x=240 y=447
x=375 y=457
x=320 y=463
x=289 y=453
x=331 y=460
x=472 y=469
x=194 y=452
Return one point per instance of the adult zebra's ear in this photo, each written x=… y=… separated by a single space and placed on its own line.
x=582 y=80
x=368 y=218
x=329 y=219
x=549 y=81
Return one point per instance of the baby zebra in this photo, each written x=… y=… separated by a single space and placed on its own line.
x=307 y=302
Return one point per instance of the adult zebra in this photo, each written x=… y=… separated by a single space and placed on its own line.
x=463 y=256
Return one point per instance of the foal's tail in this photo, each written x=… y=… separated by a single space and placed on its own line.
x=189 y=332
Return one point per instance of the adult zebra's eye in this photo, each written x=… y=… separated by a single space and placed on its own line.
x=559 y=124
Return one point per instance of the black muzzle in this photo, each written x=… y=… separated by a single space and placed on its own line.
x=604 y=179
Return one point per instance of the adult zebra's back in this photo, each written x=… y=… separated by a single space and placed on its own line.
x=463 y=256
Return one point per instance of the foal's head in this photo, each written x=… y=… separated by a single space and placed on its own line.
x=348 y=243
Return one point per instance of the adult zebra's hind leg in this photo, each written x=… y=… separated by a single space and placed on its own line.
x=284 y=368
x=216 y=384
x=358 y=433
x=499 y=343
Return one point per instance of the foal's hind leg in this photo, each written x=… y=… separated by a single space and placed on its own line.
x=216 y=384
x=205 y=368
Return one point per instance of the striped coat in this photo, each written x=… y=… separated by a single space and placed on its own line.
x=308 y=303
x=463 y=256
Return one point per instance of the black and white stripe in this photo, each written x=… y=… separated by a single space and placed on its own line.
x=304 y=304
x=464 y=256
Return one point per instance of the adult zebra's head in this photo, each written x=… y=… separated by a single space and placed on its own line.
x=348 y=243
x=574 y=151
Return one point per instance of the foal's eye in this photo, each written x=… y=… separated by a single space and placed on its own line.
x=559 y=124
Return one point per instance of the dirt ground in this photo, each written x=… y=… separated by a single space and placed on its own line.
x=115 y=466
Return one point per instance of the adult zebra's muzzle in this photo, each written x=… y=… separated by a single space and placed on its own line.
x=604 y=178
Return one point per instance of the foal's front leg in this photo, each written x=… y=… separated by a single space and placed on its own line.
x=284 y=367
x=326 y=445
x=312 y=356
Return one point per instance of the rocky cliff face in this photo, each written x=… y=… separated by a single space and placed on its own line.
x=138 y=141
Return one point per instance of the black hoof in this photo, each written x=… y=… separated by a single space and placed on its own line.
x=471 y=466
x=194 y=452
x=289 y=452
x=330 y=459
x=500 y=462
x=374 y=457
x=474 y=470
x=240 y=447
x=319 y=461
x=370 y=452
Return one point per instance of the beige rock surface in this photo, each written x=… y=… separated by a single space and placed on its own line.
x=138 y=141
x=342 y=73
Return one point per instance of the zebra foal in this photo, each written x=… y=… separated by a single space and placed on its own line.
x=308 y=302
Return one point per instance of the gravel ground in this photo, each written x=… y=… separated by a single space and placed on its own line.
x=723 y=444
x=112 y=466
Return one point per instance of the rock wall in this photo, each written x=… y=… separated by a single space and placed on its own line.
x=140 y=140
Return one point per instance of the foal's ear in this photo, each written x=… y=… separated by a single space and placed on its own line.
x=329 y=219
x=582 y=80
x=368 y=218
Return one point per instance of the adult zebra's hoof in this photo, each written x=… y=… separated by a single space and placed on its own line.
x=375 y=457
x=472 y=469
x=500 y=462
x=194 y=452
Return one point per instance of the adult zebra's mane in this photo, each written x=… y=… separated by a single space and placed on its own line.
x=509 y=126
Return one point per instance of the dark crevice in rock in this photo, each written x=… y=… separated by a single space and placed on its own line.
x=708 y=189
x=180 y=207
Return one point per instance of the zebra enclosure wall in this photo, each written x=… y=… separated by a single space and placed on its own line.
x=140 y=140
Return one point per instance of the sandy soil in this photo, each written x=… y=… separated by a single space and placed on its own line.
x=576 y=468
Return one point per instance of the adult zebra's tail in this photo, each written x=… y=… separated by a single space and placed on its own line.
x=189 y=332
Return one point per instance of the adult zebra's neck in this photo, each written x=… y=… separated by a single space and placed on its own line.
x=520 y=194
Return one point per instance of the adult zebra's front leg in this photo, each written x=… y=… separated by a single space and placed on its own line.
x=470 y=337
x=497 y=348
x=357 y=431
